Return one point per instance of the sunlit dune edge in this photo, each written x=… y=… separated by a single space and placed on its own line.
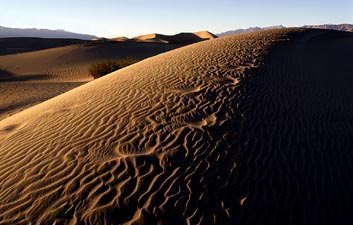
x=27 y=79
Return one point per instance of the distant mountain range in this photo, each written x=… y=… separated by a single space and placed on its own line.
x=250 y=29
x=340 y=27
x=46 y=33
x=41 y=33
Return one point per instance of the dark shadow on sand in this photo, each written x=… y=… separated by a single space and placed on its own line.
x=6 y=76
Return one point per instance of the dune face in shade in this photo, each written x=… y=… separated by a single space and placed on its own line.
x=248 y=129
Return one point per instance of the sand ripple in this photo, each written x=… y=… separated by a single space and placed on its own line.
x=245 y=129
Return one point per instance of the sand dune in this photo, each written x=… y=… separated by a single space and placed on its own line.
x=249 y=129
x=29 y=78
x=178 y=38
x=58 y=61
x=22 y=45
x=121 y=39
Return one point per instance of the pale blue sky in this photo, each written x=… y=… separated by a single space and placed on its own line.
x=113 y=18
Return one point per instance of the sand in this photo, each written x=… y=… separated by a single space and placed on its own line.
x=28 y=44
x=29 y=78
x=249 y=129
x=177 y=38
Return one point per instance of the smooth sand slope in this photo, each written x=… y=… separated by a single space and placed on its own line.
x=249 y=129
x=30 y=78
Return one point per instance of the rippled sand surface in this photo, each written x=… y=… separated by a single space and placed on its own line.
x=249 y=129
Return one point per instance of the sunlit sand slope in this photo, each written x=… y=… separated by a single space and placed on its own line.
x=248 y=129
x=30 y=78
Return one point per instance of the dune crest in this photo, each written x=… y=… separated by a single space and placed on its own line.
x=178 y=38
x=212 y=133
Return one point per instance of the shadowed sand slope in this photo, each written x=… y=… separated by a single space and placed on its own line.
x=21 y=45
x=249 y=129
x=30 y=78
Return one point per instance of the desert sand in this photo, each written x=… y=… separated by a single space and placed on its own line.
x=253 y=128
x=28 y=44
x=177 y=38
x=29 y=78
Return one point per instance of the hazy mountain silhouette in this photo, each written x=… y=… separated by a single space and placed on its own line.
x=340 y=27
x=41 y=33
x=250 y=29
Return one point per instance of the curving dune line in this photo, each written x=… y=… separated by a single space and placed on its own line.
x=229 y=131
x=30 y=78
x=177 y=38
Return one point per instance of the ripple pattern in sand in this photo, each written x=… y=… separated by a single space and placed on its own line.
x=198 y=135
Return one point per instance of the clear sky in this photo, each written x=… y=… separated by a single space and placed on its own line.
x=113 y=18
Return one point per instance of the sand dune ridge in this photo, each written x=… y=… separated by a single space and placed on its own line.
x=189 y=137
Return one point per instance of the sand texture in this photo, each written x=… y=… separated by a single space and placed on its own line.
x=29 y=78
x=253 y=128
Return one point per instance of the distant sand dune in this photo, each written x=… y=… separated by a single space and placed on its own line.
x=26 y=44
x=30 y=78
x=249 y=129
x=178 y=38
